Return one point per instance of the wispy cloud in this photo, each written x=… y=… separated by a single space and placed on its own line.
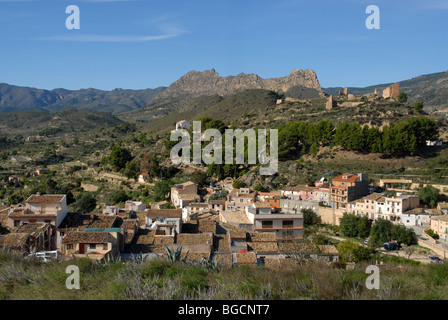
x=164 y=26
x=107 y=38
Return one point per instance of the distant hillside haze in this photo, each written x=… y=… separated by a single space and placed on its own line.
x=142 y=105
x=15 y=98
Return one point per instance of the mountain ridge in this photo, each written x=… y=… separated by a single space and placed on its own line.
x=16 y=98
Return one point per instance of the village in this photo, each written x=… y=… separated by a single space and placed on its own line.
x=247 y=228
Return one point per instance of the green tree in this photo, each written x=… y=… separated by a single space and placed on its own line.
x=429 y=196
x=402 y=97
x=310 y=217
x=364 y=227
x=119 y=156
x=85 y=203
x=200 y=178
x=161 y=190
x=404 y=235
x=314 y=149
x=418 y=107
x=239 y=184
x=132 y=169
x=349 y=225
x=381 y=232
x=117 y=197
x=15 y=199
x=351 y=251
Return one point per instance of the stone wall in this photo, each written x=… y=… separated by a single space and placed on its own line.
x=330 y=215
x=392 y=92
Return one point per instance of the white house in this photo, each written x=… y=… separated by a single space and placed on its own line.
x=183 y=124
x=165 y=221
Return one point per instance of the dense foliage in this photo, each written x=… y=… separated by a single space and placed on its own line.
x=404 y=137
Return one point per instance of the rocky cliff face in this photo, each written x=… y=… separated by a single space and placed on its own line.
x=195 y=84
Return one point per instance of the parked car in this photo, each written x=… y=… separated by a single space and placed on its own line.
x=45 y=256
x=391 y=246
x=436 y=260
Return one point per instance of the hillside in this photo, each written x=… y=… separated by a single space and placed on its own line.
x=432 y=89
x=27 y=123
x=15 y=98
x=208 y=83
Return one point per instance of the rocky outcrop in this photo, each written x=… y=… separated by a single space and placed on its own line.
x=330 y=103
x=195 y=84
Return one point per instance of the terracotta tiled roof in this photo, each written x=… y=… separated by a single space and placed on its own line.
x=441 y=218
x=263 y=247
x=262 y=237
x=87 y=237
x=33 y=229
x=221 y=243
x=245 y=258
x=262 y=205
x=224 y=259
x=166 y=213
x=350 y=178
x=24 y=212
x=207 y=225
x=14 y=240
x=238 y=234
x=218 y=202
x=129 y=223
x=103 y=221
x=237 y=193
x=195 y=238
x=78 y=221
x=55 y=198
x=235 y=217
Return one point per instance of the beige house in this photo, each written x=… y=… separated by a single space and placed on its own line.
x=439 y=225
x=134 y=205
x=93 y=245
x=239 y=199
x=287 y=227
x=50 y=209
x=184 y=194
x=348 y=187
x=369 y=205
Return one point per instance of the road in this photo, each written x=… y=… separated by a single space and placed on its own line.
x=416 y=256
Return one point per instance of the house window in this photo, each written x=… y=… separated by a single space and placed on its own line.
x=69 y=246
x=266 y=224
x=287 y=223
x=105 y=246
x=92 y=246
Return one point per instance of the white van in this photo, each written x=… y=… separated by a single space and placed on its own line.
x=46 y=256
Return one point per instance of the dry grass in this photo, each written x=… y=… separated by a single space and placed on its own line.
x=159 y=280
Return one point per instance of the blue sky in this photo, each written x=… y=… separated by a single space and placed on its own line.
x=136 y=44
